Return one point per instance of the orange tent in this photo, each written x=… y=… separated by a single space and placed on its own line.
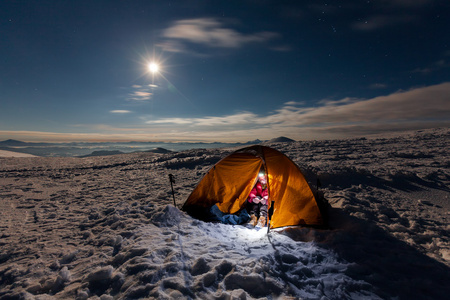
x=230 y=181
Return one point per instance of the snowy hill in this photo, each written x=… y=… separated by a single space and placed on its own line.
x=281 y=139
x=12 y=143
x=5 y=153
x=106 y=227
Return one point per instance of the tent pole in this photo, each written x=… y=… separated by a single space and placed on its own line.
x=270 y=212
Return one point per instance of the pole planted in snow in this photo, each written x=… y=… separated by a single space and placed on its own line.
x=172 y=181
x=270 y=215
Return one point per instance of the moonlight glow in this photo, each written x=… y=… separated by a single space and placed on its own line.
x=153 y=67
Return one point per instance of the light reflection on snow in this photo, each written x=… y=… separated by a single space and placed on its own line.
x=253 y=242
x=249 y=234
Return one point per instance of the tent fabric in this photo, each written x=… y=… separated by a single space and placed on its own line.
x=229 y=182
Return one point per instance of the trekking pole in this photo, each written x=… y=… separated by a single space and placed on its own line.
x=172 y=181
x=270 y=215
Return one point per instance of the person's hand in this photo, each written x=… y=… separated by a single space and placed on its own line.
x=257 y=199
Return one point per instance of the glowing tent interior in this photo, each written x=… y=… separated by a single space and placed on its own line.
x=229 y=182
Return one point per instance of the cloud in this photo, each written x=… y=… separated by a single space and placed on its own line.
x=346 y=100
x=105 y=134
x=413 y=105
x=140 y=93
x=418 y=108
x=393 y=13
x=376 y=86
x=436 y=66
x=173 y=46
x=119 y=111
x=240 y=119
x=176 y=121
x=210 y=32
x=412 y=109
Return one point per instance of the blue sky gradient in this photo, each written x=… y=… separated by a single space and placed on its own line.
x=230 y=71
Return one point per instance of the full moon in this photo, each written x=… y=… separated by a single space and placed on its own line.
x=153 y=67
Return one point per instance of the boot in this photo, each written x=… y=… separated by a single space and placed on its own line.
x=253 y=220
x=262 y=222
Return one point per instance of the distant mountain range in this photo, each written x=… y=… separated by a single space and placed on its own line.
x=85 y=149
x=115 y=152
x=15 y=143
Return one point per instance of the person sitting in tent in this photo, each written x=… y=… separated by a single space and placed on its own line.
x=257 y=202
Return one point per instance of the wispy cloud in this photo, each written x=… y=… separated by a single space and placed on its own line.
x=436 y=66
x=418 y=108
x=389 y=13
x=120 y=111
x=413 y=105
x=140 y=93
x=376 y=86
x=211 y=33
x=403 y=109
x=239 y=119
x=103 y=133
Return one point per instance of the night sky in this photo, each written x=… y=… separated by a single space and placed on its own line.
x=228 y=70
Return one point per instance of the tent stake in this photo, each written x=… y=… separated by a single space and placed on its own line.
x=172 y=181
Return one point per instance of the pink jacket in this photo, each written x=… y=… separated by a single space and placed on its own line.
x=258 y=194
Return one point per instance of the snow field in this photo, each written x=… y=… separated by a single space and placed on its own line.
x=106 y=227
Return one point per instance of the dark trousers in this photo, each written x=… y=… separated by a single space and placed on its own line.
x=257 y=209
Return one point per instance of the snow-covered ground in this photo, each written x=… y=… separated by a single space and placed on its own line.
x=107 y=228
x=5 y=153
